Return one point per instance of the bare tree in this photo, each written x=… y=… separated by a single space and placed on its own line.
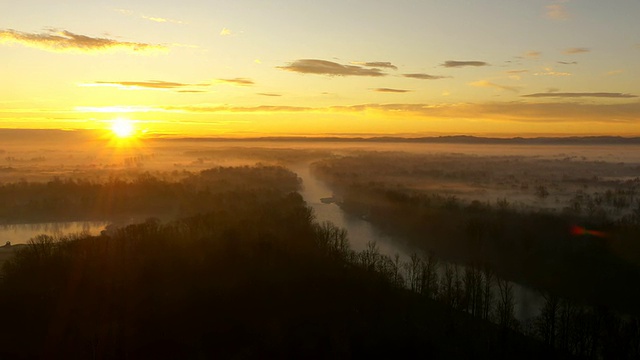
x=506 y=304
x=429 y=276
x=487 y=293
x=413 y=273
x=548 y=319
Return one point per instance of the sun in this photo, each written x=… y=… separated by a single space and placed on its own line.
x=123 y=128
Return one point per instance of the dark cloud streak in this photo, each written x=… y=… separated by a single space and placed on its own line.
x=153 y=84
x=62 y=40
x=388 y=90
x=425 y=76
x=238 y=81
x=324 y=67
x=376 y=64
x=578 y=95
x=576 y=50
x=455 y=64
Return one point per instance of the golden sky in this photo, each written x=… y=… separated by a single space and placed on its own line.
x=348 y=67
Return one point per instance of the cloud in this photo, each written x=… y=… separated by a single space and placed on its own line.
x=154 y=84
x=238 y=81
x=162 y=20
x=127 y=12
x=454 y=63
x=512 y=111
x=62 y=40
x=614 y=72
x=550 y=72
x=151 y=84
x=162 y=85
x=225 y=32
x=235 y=109
x=556 y=12
x=425 y=76
x=516 y=74
x=544 y=112
x=576 y=50
x=583 y=94
x=124 y=12
x=567 y=62
x=485 y=83
x=532 y=54
x=387 y=90
x=269 y=94
x=323 y=67
x=376 y=64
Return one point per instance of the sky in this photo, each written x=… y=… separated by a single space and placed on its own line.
x=249 y=68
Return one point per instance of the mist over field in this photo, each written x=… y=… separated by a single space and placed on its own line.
x=521 y=250
x=301 y=180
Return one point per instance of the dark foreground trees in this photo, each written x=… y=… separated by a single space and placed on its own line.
x=255 y=279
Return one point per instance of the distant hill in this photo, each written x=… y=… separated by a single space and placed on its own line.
x=24 y=136
x=453 y=139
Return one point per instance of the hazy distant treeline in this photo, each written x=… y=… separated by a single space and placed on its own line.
x=562 y=184
x=259 y=279
x=144 y=195
x=553 y=252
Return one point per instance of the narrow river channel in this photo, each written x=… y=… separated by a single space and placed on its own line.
x=361 y=232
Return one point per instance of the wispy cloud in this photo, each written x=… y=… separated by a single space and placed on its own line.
x=376 y=64
x=269 y=94
x=512 y=111
x=167 y=85
x=550 y=72
x=157 y=19
x=388 y=90
x=556 y=12
x=124 y=11
x=581 y=94
x=567 y=62
x=62 y=40
x=235 y=109
x=238 y=81
x=162 y=20
x=576 y=50
x=614 y=72
x=516 y=74
x=151 y=84
x=324 y=67
x=454 y=63
x=226 y=32
x=532 y=55
x=504 y=111
x=488 y=84
x=154 y=84
x=425 y=76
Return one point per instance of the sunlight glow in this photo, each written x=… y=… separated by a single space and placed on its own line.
x=123 y=128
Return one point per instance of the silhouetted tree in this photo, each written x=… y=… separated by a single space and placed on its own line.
x=506 y=304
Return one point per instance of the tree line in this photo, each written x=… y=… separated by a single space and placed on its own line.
x=588 y=278
x=254 y=278
x=144 y=194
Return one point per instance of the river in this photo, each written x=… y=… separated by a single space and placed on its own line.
x=528 y=302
